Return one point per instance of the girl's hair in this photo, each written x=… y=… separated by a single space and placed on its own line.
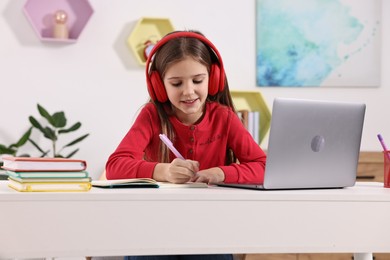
x=170 y=53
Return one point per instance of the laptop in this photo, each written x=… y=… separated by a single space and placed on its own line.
x=312 y=144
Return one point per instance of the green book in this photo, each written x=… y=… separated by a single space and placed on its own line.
x=79 y=174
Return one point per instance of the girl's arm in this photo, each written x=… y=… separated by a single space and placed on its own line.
x=137 y=154
x=249 y=169
x=252 y=159
x=128 y=160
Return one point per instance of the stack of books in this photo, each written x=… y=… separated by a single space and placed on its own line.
x=46 y=174
x=251 y=121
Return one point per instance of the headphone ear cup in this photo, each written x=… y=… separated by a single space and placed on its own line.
x=214 y=79
x=158 y=87
x=150 y=90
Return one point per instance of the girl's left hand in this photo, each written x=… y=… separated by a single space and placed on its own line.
x=211 y=175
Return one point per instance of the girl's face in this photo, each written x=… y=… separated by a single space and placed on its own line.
x=186 y=83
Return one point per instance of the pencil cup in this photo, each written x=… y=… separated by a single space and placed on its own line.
x=386 y=182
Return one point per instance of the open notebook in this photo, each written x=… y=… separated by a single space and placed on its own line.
x=144 y=183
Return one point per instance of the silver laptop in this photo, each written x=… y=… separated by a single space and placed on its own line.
x=312 y=144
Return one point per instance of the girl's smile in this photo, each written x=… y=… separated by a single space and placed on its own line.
x=186 y=83
x=190 y=102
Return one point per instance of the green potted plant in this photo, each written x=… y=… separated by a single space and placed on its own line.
x=55 y=127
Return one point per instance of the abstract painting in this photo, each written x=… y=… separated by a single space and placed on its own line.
x=313 y=43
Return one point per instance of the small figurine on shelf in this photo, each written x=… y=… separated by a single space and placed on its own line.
x=148 y=48
x=60 y=30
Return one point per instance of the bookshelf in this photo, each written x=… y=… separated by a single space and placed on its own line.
x=42 y=15
x=253 y=100
x=146 y=32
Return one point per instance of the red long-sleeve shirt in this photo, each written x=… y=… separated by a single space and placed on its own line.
x=206 y=142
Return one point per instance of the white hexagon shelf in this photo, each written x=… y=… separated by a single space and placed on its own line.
x=253 y=101
x=42 y=16
x=147 y=31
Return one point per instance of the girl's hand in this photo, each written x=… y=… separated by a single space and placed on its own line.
x=181 y=171
x=212 y=175
x=178 y=171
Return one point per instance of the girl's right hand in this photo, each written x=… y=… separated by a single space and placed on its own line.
x=181 y=171
x=178 y=171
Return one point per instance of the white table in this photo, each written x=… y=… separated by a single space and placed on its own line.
x=194 y=221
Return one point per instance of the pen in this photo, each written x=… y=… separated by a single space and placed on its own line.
x=383 y=145
x=168 y=143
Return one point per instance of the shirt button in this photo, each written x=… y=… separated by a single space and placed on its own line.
x=190 y=151
x=192 y=127
x=192 y=139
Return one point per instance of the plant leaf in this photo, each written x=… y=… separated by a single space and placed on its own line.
x=76 y=141
x=70 y=129
x=24 y=138
x=46 y=115
x=49 y=133
x=72 y=153
x=59 y=119
x=6 y=150
x=24 y=155
x=35 y=123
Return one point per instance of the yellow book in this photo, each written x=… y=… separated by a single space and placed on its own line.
x=49 y=186
x=48 y=180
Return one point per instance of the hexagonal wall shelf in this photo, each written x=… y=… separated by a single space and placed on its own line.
x=147 y=31
x=253 y=101
x=42 y=16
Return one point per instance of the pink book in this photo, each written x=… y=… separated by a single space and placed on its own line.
x=24 y=164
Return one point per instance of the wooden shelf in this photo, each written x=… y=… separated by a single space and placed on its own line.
x=370 y=166
x=253 y=101
x=147 y=30
x=41 y=15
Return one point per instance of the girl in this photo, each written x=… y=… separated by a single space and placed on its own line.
x=191 y=104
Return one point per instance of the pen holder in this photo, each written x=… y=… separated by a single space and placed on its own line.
x=386 y=168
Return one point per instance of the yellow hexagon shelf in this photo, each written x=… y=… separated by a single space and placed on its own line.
x=253 y=101
x=147 y=31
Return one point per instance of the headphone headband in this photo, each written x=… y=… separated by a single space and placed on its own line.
x=179 y=34
x=183 y=34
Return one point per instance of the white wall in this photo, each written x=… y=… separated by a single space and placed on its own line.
x=98 y=82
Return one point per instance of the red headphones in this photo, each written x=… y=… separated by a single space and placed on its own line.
x=155 y=84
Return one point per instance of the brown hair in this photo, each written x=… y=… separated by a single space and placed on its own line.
x=170 y=53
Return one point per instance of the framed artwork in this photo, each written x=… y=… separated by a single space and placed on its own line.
x=318 y=43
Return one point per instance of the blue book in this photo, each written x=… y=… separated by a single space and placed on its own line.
x=79 y=174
